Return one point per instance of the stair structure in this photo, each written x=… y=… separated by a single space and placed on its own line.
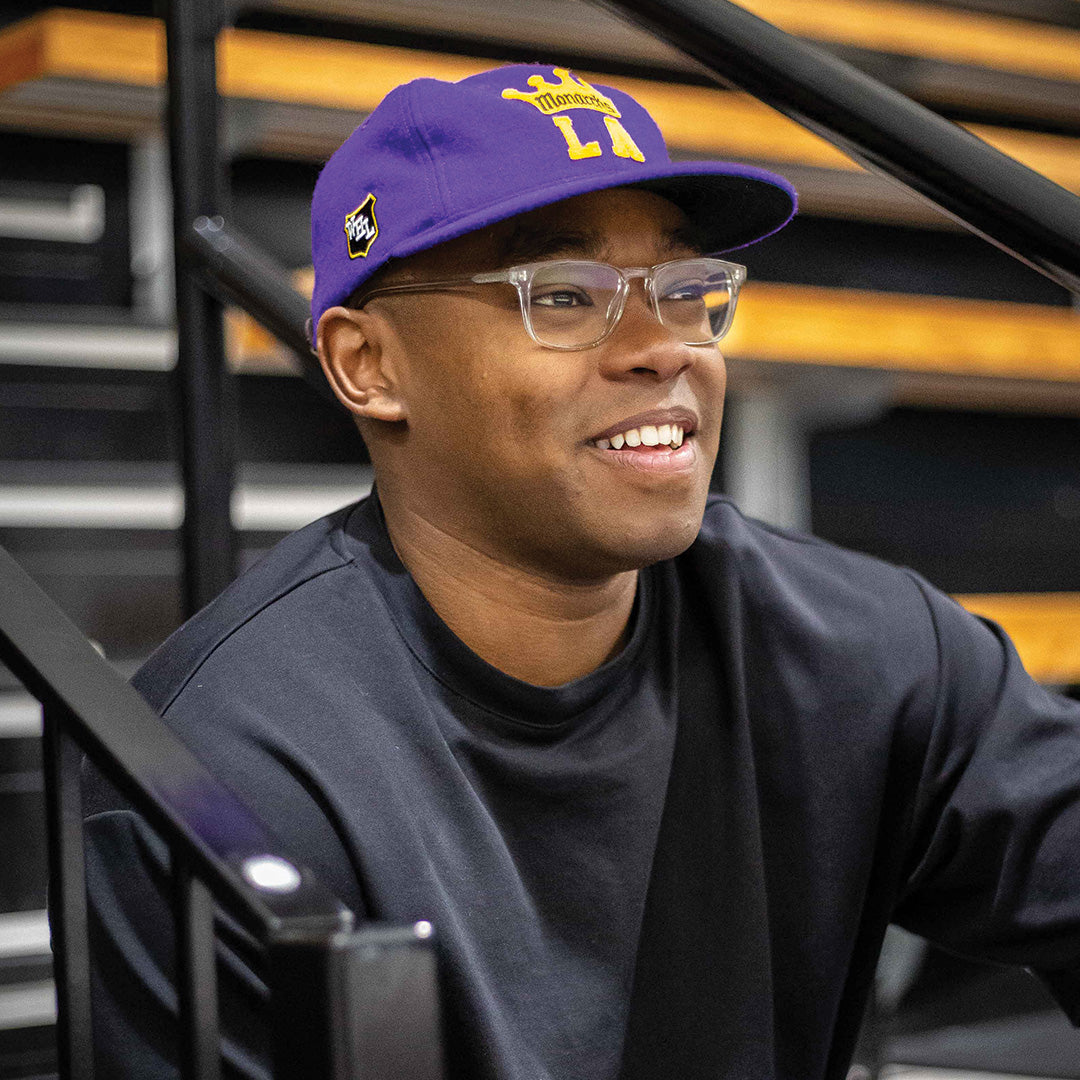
x=895 y=383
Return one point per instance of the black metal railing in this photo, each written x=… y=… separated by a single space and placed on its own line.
x=339 y=1015
x=345 y=1001
x=1006 y=203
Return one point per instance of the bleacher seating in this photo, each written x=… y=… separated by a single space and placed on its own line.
x=873 y=309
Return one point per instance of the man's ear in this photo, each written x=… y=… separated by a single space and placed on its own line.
x=353 y=349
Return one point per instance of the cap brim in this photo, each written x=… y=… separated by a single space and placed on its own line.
x=729 y=206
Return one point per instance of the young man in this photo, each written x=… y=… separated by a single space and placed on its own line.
x=659 y=776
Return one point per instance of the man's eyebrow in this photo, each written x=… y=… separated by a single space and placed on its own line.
x=685 y=236
x=525 y=245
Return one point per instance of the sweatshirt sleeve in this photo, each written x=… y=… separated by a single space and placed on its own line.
x=136 y=1032
x=994 y=862
x=129 y=889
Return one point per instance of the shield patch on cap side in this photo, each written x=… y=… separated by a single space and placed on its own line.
x=361 y=228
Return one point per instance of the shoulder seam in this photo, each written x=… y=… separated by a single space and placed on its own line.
x=912 y=868
x=244 y=622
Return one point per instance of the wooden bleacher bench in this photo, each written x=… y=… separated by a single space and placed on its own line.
x=59 y=67
x=53 y=64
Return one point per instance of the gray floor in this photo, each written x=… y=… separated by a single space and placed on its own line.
x=1041 y=1044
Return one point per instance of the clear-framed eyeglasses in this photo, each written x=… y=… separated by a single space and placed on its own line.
x=576 y=304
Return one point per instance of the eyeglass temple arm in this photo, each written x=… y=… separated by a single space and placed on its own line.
x=426 y=286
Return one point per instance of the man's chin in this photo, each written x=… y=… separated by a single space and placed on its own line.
x=631 y=548
x=666 y=547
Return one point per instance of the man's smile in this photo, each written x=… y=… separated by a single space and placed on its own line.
x=648 y=435
x=656 y=427
x=656 y=441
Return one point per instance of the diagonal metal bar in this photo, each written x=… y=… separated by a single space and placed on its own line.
x=347 y=1000
x=373 y=995
x=1007 y=203
x=234 y=268
x=197 y=816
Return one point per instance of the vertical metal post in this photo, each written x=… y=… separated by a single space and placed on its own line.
x=305 y=976
x=151 y=223
x=205 y=388
x=67 y=877
x=200 y=1043
x=767 y=457
x=355 y=1003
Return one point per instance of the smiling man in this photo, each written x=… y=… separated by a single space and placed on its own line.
x=527 y=470
x=658 y=775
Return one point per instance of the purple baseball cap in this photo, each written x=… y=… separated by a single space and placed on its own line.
x=436 y=160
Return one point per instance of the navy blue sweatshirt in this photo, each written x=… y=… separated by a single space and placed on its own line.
x=679 y=866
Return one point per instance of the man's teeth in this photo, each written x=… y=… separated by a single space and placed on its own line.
x=647 y=435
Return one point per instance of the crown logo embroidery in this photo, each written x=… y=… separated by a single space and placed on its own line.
x=570 y=92
x=361 y=228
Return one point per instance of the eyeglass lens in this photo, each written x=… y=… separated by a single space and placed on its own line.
x=571 y=304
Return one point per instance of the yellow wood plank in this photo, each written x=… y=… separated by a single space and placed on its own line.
x=898 y=26
x=284 y=68
x=926 y=30
x=337 y=74
x=811 y=325
x=1045 y=627
x=22 y=51
x=100 y=47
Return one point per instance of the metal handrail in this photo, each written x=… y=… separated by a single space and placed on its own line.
x=319 y=961
x=1012 y=206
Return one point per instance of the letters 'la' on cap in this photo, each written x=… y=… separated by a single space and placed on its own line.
x=436 y=160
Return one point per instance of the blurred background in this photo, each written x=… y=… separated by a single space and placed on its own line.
x=896 y=384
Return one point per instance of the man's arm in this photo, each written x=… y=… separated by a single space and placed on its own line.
x=129 y=887
x=132 y=942
x=995 y=858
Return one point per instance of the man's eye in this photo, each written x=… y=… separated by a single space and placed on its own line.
x=690 y=290
x=563 y=297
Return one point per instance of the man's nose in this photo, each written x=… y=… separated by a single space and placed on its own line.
x=641 y=345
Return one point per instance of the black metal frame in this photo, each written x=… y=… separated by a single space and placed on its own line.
x=205 y=390
x=346 y=1001
x=1006 y=203
x=213 y=265
x=337 y=1014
